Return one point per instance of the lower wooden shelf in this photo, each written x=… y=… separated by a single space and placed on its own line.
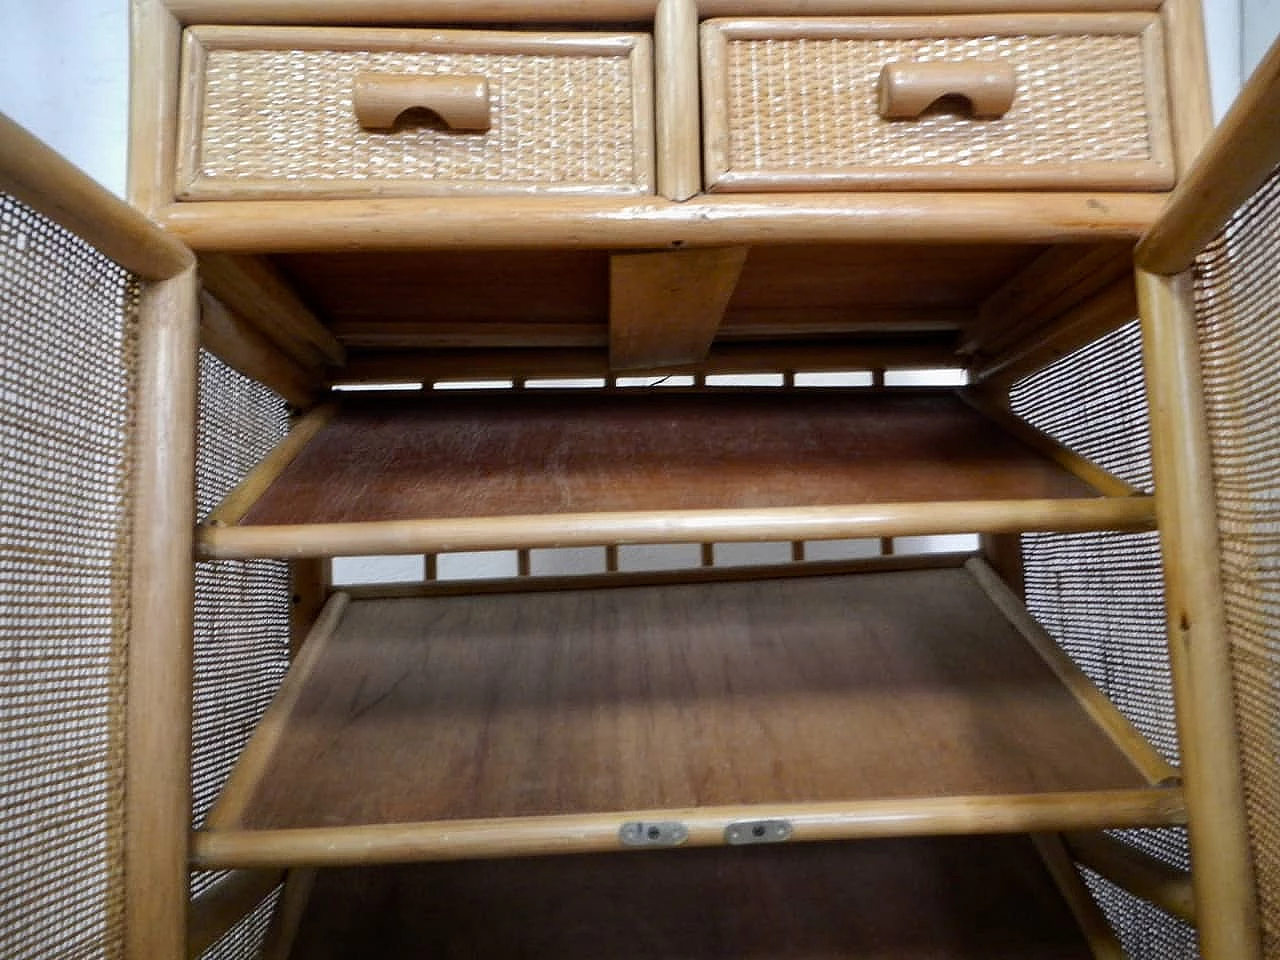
x=891 y=703
x=985 y=898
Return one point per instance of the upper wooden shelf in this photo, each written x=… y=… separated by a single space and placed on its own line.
x=949 y=898
x=918 y=701
x=440 y=472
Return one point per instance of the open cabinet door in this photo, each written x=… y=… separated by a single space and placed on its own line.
x=1209 y=287
x=98 y=331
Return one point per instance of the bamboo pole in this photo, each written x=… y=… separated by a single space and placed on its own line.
x=598 y=832
x=242 y=347
x=44 y=181
x=675 y=526
x=1198 y=652
x=1140 y=873
x=155 y=40
x=1243 y=152
x=158 y=713
x=675 y=35
x=296 y=226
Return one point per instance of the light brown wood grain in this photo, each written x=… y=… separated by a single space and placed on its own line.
x=157 y=769
x=1198 y=655
x=1187 y=81
x=941 y=898
x=906 y=90
x=1138 y=872
x=665 y=308
x=255 y=291
x=244 y=348
x=1241 y=155
x=44 y=181
x=679 y=154
x=573 y=223
x=461 y=102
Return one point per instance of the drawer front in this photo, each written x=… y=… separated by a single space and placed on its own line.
x=271 y=113
x=795 y=104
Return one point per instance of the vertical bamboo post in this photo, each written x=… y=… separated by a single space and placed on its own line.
x=675 y=36
x=1198 y=652
x=158 y=711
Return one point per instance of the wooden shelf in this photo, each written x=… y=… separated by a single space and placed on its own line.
x=893 y=703
x=440 y=472
x=990 y=898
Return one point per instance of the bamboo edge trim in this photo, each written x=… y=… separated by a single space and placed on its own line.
x=598 y=832
x=42 y=179
x=1144 y=757
x=256 y=757
x=1105 y=482
x=676 y=526
x=1140 y=873
x=653 y=578
x=1088 y=915
x=241 y=499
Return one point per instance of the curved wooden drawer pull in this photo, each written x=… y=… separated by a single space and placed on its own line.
x=908 y=89
x=461 y=102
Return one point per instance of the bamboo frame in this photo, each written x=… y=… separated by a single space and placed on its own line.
x=653 y=578
x=158 y=713
x=1198 y=654
x=563 y=11
x=242 y=347
x=223 y=905
x=295 y=226
x=985 y=402
x=44 y=181
x=1241 y=156
x=675 y=526
x=1089 y=916
x=289 y=914
x=155 y=38
x=1105 y=714
x=679 y=154
x=1140 y=873
x=529 y=363
x=594 y=833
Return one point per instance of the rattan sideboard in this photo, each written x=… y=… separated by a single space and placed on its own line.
x=615 y=277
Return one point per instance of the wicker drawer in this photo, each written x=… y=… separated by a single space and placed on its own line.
x=272 y=113
x=796 y=104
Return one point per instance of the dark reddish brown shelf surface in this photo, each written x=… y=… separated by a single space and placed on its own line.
x=813 y=689
x=952 y=898
x=508 y=454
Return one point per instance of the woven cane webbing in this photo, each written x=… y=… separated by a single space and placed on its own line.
x=1146 y=932
x=242 y=607
x=798 y=104
x=1101 y=595
x=245 y=939
x=1237 y=284
x=287 y=115
x=67 y=329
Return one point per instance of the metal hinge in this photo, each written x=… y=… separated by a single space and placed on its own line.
x=654 y=833
x=757 y=831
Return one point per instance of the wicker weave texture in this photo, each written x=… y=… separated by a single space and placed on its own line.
x=800 y=104
x=1238 y=319
x=241 y=613
x=1145 y=932
x=67 y=328
x=288 y=116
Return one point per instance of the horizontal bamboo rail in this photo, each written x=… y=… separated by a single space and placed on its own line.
x=44 y=181
x=676 y=526
x=1236 y=162
x=495 y=11
x=596 y=832
x=290 y=226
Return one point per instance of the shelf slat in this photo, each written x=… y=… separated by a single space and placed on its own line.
x=941 y=898
x=875 y=704
x=445 y=472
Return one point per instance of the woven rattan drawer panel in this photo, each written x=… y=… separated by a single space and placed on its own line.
x=791 y=104
x=269 y=113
